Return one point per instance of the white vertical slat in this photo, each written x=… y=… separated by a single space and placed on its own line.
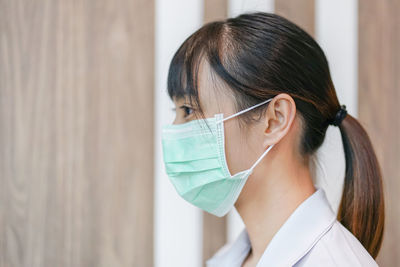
x=336 y=32
x=236 y=7
x=178 y=225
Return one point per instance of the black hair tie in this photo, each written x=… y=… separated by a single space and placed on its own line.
x=340 y=115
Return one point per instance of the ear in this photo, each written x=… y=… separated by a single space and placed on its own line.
x=279 y=117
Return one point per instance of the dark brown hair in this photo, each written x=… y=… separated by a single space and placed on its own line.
x=260 y=55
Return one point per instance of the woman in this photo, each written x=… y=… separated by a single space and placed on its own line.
x=254 y=98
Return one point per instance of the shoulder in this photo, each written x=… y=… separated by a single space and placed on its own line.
x=337 y=247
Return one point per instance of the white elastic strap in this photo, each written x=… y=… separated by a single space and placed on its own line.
x=245 y=110
x=260 y=158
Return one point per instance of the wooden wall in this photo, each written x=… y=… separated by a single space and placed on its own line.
x=300 y=12
x=379 y=97
x=76 y=133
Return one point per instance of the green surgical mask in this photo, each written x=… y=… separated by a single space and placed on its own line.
x=194 y=158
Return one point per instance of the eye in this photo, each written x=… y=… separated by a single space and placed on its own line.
x=188 y=110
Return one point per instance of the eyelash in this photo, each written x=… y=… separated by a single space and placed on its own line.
x=185 y=109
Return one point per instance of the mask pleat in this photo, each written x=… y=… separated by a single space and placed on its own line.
x=190 y=148
x=173 y=168
x=186 y=181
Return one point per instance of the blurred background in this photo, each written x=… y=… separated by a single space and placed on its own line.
x=82 y=101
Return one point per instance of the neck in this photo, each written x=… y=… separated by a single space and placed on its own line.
x=270 y=197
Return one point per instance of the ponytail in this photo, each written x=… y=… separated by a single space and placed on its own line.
x=361 y=209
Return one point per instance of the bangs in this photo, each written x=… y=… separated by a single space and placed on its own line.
x=183 y=73
x=182 y=81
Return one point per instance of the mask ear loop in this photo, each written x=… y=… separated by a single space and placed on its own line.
x=245 y=110
x=241 y=112
x=260 y=158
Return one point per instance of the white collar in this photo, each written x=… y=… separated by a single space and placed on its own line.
x=304 y=227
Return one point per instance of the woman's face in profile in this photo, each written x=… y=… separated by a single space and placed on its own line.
x=242 y=145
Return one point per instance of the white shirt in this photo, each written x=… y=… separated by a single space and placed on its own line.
x=311 y=236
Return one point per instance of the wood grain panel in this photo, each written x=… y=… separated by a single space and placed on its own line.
x=379 y=96
x=301 y=12
x=214 y=234
x=214 y=228
x=215 y=10
x=76 y=133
